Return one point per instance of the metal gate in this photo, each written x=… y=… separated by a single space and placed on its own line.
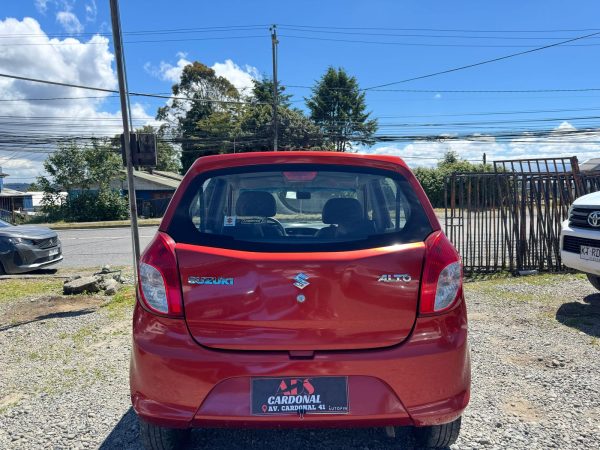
x=509 y=219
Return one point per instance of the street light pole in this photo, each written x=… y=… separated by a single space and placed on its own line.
x=117 y=41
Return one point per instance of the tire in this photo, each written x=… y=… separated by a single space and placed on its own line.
x=594 y=279
x=154 y=437
x=437 y=436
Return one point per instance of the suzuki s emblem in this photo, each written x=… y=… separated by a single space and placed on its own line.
x=594 y=219
x=301 y=280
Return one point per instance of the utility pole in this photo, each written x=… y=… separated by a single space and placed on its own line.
x=484 y=159
x=274 y=43
x=117 y=41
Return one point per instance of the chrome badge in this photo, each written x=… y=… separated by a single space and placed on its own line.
x=301 y=280
x=395 y=278
x=594 y=219
x=211 y=280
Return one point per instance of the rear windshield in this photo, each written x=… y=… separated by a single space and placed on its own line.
x=299 y=208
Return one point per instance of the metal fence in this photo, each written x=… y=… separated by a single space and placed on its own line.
x=510 y=219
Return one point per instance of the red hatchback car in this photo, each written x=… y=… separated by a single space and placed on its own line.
x=299 y=289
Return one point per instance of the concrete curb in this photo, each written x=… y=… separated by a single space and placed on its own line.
x=108 y=224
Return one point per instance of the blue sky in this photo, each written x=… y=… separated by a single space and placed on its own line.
x=412 y=38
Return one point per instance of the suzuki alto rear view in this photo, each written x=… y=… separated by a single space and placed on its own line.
x=299 y=289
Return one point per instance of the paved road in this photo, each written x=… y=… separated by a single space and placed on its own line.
x=96 y=247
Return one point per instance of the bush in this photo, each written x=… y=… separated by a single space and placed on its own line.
x=433 y=179
x=88 y=206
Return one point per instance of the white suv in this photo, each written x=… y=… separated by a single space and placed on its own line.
x=580 y=237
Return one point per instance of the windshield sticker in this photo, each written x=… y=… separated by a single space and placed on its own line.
x=229 y=221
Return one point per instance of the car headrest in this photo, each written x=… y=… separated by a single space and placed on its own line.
x=342 y=210
x=256 y=203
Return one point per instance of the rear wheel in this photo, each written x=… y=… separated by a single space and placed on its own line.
x=160 y=438
x=595 y=280
x=437 y=436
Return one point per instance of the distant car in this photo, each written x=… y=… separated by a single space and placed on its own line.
x=299 y=289
x=25 y=248
x=580 y=237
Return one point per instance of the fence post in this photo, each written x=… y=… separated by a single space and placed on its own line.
x=579 y=187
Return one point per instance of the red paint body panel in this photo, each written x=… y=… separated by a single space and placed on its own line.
x=173 y=378
x=345 y=308
x=402 y=368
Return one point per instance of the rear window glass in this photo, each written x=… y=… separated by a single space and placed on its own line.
x=299 y=208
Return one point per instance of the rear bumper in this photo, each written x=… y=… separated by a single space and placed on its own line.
x=573 y=260
x=177 y=383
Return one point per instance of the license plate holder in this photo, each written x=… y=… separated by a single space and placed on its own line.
x=299 y=396
x=589 y=253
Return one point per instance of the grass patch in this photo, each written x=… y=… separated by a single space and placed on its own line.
x=121 y=301
x=11 y=290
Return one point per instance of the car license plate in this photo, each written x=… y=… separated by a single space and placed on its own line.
x=589 y=253
x=299 y=395
x=53 y=252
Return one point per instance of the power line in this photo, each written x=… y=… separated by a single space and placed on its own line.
x=480 y=63
x=420 y=44
x=112 y=91
x=443 y=30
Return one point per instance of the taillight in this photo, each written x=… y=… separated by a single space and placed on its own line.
x=442 y=275
x=159 y=285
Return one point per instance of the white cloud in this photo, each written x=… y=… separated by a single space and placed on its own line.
x=91 y=11
x=168 y=72
x=68 y=60
x=69 y=22
x=240 y=77
x=41 y=6
x=560 y=142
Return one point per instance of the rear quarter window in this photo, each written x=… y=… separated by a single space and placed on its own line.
x=299 y=208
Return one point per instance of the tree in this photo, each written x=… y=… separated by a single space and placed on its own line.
x=433 y=178
x=253 y=130
x=198 y=82
x=85 y=172
x=168 y=158
x=338 y=106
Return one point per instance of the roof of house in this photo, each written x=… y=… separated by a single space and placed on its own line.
x=5 y=192
x=590 y=165
x=169 y=182
x=172 y=175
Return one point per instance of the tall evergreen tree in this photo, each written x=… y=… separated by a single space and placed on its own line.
x=338 y=106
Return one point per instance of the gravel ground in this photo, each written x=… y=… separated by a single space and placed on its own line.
x=536 y=383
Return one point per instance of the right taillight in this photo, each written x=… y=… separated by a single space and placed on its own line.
x=442 y=275
x=159 y=285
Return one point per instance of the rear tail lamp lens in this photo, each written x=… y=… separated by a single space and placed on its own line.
x=449 y=283
x=153 y=288
x=442 y=275
x=160 y=287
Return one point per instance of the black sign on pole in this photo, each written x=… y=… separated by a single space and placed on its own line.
x=143 y=149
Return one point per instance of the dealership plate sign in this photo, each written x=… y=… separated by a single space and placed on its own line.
x=299 y=395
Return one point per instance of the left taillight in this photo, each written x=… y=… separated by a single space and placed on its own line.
x=159 y=284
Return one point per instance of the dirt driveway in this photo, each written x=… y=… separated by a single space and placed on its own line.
x=535 y=345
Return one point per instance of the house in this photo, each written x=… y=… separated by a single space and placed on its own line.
x=153 y=190
x=591 y=165
x=12 y=201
